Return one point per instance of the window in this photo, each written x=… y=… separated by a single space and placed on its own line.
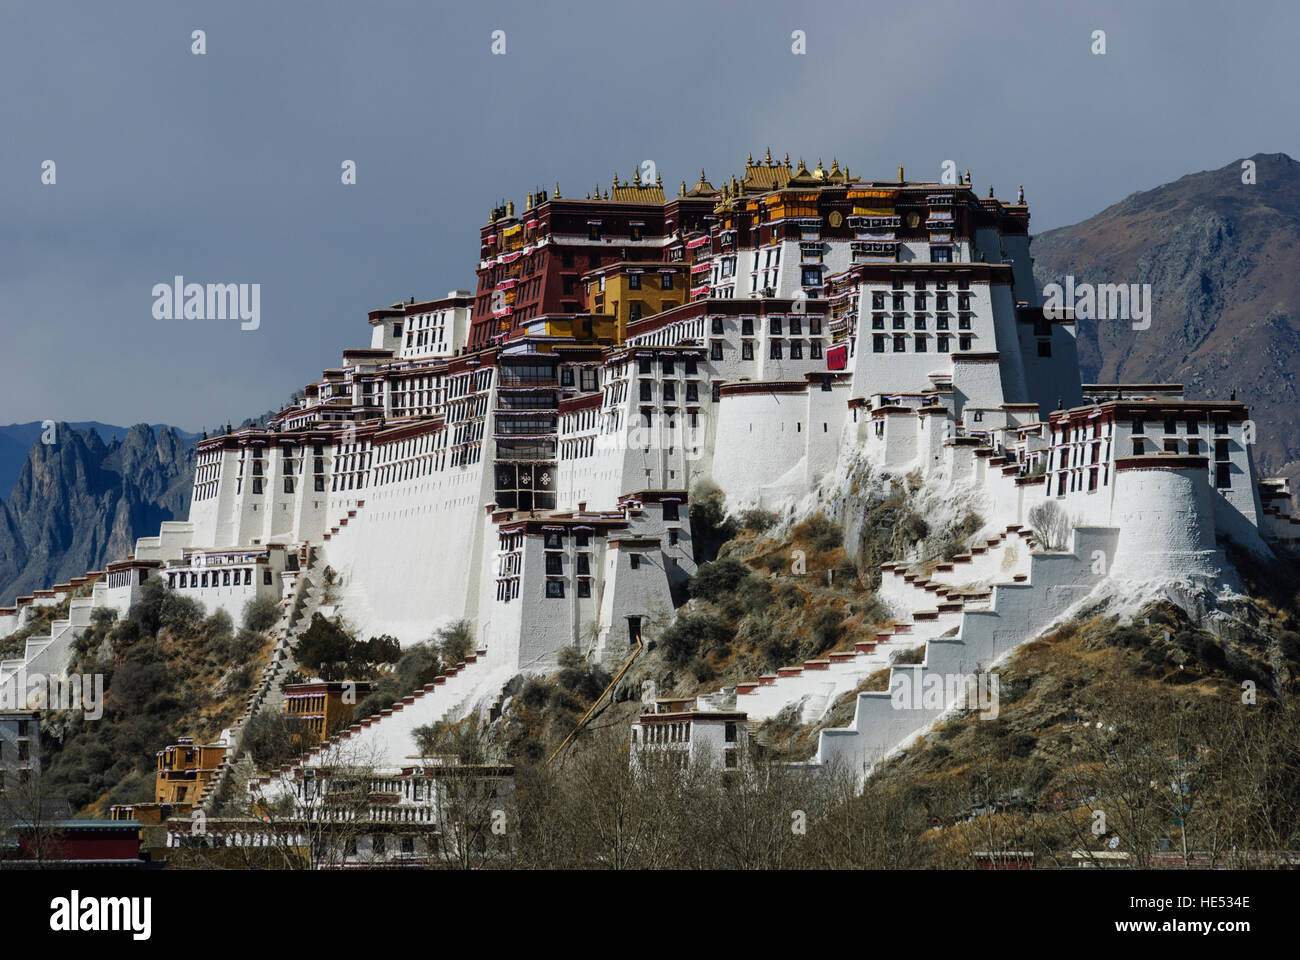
x=747 y=326
x=963 y=323
x=796 y=349
x=645 y=389
x=554 y=589
x=774 y=326
x=288 y=484
x=729 y=736
x=634 y=561
x=1171 y=446
x=900 y=321
x=672 y=537
x=408 y=844
x=919 y=346
x=1171 y=425
x=900 y=343
x=584 y=565
x=581 y=538
x=379 y=844
x=878 y=321
x=690 y=368
x=670 y=390
x=554 y=540
x=670 y=511
x=775 y=352
x=1139 y=425
x=796 y=327
x=877 y=300
x=566 y=377
x=693 y=393
x=815 y=350
x=1223 y=475
x=554 y=564
x=1194 y=447
x=747 y=350
x=1139 y=448
x=878 y=343
x=257 y=485
x=717 y=326
x=584 y=588
x=963 y=343
x=593 y=231
x=643 y=365
x=918 y=323
x=811 y=276
x=1044 y=348
x=715 y=350
x=715 y=393
x=665 y=281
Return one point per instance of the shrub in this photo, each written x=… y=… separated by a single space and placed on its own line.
x=690 y=635
x=581 y=678
x=827 y=628
x=455 y=641
x=759 y=521
x=261 y=613
x=324 y=648
x=716 y=580
x=820 y=532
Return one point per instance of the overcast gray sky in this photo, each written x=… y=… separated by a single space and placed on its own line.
x=226 y=167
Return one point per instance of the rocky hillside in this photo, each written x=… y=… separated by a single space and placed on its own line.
x=1221 y=257
x=80 y=503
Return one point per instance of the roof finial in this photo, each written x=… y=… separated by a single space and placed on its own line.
x=682 y=192
x=787 y=159
x=636 y=177
x=900 y=174
x=1020 y=197
x=557 y=190
x=616 y=179
x=659 y=180
x=703 y=179
x=968 y=176
x=990 y=191
x=768 y=157
x=749 y=159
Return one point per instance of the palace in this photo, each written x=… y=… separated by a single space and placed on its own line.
x=523 y=455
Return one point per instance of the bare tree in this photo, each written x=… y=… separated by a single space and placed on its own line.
x=1051 y=524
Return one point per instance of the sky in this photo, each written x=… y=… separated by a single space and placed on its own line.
x=225 y=167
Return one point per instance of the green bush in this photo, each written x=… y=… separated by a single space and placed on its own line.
x=717 y=580
x=691 y=635
x=759 y=521
x=261 y=613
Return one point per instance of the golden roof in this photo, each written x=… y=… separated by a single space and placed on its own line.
x=703 y=188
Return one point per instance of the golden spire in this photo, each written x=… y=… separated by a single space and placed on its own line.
x=636 y=177
x=768 y=159
x=659 y=180
x=557 y=190
x=616 y=179
x=787 y=159
x=749 y=160
x=682 y=193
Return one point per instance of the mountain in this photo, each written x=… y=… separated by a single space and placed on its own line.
x=1221 y=257
x=17 y=438
x=80 y=503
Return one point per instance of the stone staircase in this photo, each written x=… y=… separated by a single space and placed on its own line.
x=49 y=655
x=967 y=638
x=302 y=598
x=387 y=739
x=935 y=603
